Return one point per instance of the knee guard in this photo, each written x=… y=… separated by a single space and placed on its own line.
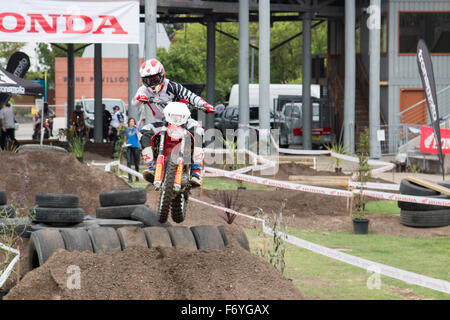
x=147 y=155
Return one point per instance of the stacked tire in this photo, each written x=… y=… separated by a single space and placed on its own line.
x=45 y=242
x=420 y=214
x=9 y=223
x=120 y=204
x=57 y=210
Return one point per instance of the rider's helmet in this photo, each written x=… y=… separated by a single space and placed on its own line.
x=153 y=75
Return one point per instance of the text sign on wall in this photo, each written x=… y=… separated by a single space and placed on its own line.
x=75 y=21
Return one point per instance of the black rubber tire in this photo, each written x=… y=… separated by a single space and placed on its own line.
x=123 y=197
x=207 y=237
x=157 y=237
x=19 y=226
x=148 y=217
x=60 y=216
x=409 y=188
x=445 y=184
x=117 y=212
x=178 y=207
x=132 y=237
x=435 y=218
x=3 y=197
x=36 y=147
x=43 y=244
x=56 y=200
x=182 y=237
x=104 y=240
x=166 y=192
x=411 y=206
x=7 y=211
x=76 y=240
x=228 y=237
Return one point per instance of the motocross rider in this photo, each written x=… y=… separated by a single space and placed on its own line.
x=156 y=85
x=48 y=113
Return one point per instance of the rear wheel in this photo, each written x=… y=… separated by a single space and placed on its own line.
x=178 y=207
x=166 y=192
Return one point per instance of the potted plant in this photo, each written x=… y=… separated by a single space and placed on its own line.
x=336 y=148
x=76 y=147
x=360 y=222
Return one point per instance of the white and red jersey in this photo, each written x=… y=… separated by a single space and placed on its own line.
x=171 y=91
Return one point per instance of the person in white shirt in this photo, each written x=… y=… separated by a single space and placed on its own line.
x=115 y=127
x=7 y=119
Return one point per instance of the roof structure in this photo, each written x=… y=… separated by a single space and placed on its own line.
x=178 y=11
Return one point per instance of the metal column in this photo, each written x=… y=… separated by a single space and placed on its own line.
x=374 y=78
x=349 y=91
x=244 y=112
x=210 y=69
x=306 y=87
x=264 y=73
x=70 y=82
x=133 y=78
x=150 y=29
x=98 y=110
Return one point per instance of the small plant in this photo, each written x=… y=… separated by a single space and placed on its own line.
x=232 y=150
x=276 y=254
x=363 y=174
x=413 y=168
x=10 y=146
x=229 y=200
x=336 y=148
x=118 y=148
x=76 y=146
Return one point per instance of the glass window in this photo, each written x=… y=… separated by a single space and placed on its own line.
x=287 y=109
x=315 y=112
x=228 y=113
x=432 y=27
x=296 y=110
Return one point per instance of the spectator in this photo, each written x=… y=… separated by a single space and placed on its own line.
x=106 y=121
x=115 y=127
x=48 y=113
x=8 y=125
x=78 y=126
x=133 y=147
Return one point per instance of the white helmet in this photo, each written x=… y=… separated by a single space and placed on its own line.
x=153 y=75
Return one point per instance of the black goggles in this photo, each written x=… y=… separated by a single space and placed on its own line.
x=154 y=80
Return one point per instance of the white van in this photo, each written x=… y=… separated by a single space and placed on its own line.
x=276 y=90
x=88 y=106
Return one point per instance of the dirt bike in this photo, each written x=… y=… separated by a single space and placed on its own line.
x=172 y=173
x=46 y=126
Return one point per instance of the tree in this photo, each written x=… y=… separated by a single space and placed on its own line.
x=186 y=59
x=47 y=54
x=7 y=49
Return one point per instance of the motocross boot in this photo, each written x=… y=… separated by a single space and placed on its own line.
x=196 y=174
x=149 y=174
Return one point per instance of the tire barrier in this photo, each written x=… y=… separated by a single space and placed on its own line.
x=423 y=215
x=44 y=242
x=57 y=209
x=120 y=204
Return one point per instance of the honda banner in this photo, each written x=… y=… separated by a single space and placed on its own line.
x=429 y=86
x=428 y=143
x=58 y=21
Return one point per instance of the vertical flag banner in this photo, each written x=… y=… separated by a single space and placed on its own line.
x=18 y=65
x=429 y=86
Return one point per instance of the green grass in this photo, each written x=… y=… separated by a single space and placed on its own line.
x=318 y=276
x=382 y=207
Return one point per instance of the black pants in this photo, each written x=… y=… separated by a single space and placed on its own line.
x=114 y=138
x=9 y=134
x=133 y=157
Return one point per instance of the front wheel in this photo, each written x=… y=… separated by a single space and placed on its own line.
x=179 y=204
x=166 y=192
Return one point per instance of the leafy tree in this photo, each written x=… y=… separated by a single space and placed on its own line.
x=47 y=54
x=7 y=49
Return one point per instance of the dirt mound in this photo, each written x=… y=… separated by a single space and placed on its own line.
x=26 y=174
x=162 y=274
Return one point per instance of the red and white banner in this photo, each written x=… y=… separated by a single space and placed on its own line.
x=428 y=140
x=58 y=21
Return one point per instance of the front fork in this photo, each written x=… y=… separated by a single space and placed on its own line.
x=160 y=163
